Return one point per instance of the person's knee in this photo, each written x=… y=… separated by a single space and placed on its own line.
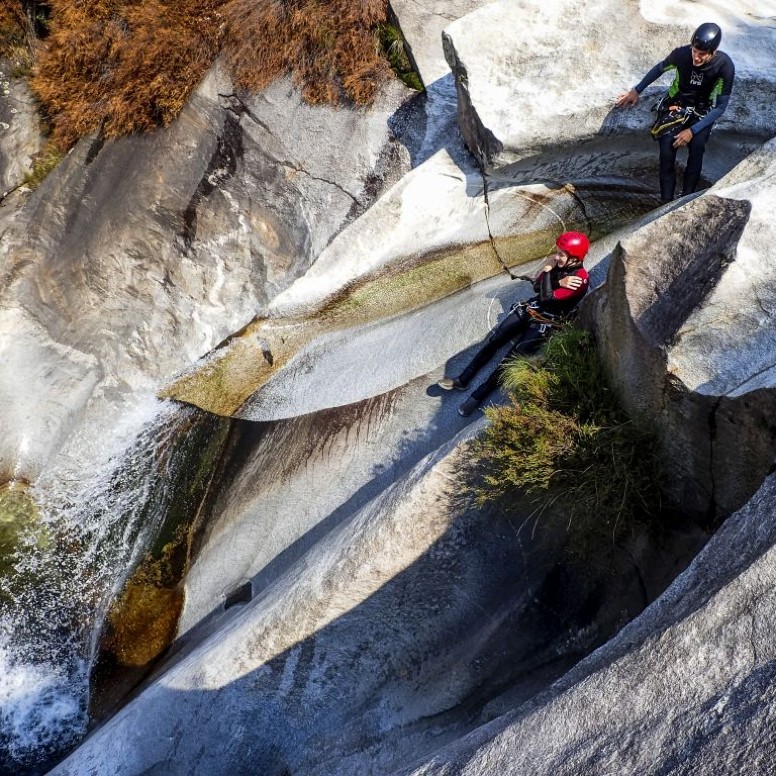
x=667 y=155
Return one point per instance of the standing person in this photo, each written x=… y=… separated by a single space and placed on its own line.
x=703 y=82
x=560 y=286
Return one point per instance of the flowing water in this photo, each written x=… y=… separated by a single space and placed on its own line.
x=69 y=543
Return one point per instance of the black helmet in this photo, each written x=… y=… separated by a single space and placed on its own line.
x=707 y=37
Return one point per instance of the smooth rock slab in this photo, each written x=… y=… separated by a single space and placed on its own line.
x=422 y=24
x=20 y=135
x=137 y=256
x=684 y=689
x=295 y=480
x=434 y=233
x=389 y=636
x=537 y=78
x=687 y=326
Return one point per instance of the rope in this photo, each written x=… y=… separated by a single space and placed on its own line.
x=542 y=318
x=531 y=200
x=546 y=207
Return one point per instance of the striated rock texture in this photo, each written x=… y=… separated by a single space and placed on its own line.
x=137 y=256
x=350 y=609
x=435 y=232
x=405 y=623
x=686 y=323
x=292 y=481
x=687 y=688
x=20 y=134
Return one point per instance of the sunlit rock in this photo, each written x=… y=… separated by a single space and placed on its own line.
x=21 y=138
x=537 y=82
x=434 y=233
x=348 y=608
x=686 y=322
x=136 y=256
x=422 y=24
x=354 y=659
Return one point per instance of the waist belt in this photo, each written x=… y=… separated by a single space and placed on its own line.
x=673 y=117
x=546 y=319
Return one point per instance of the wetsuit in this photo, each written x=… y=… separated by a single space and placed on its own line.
x=519 y=328
x=706 y=88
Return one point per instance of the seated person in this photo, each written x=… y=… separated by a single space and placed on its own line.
x=560 y=286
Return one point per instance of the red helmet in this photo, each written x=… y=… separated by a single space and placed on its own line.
x=575 y=244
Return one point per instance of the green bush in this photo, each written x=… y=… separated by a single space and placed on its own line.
x=394 y=46
x=564 y=444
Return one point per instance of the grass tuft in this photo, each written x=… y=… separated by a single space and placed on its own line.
x=565 y=444
x=394 y=46
x=42 y=164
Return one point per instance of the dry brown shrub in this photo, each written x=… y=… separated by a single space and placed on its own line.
x=13 y=26
x=127 y=65
x=330 y=46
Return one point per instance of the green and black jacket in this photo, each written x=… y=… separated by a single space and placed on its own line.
x=706 y=88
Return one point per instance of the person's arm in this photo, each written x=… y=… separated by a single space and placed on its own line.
x=720 y=97
x=568 y=287
x=632 y=97
x=544 y=283
x=572 y=286
x=651 y=76
x=712 y=115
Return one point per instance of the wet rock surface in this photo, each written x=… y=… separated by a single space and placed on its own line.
x=349 y=609
x=682 y=689
x=410 y=620
x=136 y=256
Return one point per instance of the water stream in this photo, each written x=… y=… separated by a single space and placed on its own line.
x=83 y=526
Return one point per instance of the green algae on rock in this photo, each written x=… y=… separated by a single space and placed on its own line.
x=19 y=524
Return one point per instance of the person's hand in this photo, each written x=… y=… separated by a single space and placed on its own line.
x=682 y=138
x=572 y=282
x=629 y=98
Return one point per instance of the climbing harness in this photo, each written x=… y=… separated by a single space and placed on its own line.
x=545 y=320
x=672 y=117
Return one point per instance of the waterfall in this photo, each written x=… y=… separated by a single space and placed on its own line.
x=96 y=511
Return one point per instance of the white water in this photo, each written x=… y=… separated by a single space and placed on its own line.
x=100 y=503
x=42 y=706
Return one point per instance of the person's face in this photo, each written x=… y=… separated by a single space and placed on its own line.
x=561 y=258
x=700 y=57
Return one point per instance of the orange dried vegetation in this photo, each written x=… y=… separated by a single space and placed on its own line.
x=330 y=46
x=13 y=26
x=129 y=65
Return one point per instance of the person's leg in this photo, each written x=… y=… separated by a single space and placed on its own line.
x=531 y=342
x=507 y=330
x=695 y=151
x=482 y=391
x=527 y=344
x=667 y=167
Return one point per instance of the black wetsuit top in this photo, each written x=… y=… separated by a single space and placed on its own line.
x=707 y=87
x=555 y=299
